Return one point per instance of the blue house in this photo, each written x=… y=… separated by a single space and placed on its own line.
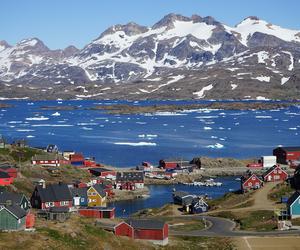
x=80 y=198
x=199 y=206
x=293 y=205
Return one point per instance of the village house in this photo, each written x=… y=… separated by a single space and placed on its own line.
x=67 y=153
x=275 y=173
x=293 y=205
x=96 y=196
x=20 y=143
x=80 y=197
x=250 y=182
x=77 y=160
x=182 y=198
x=15 y=212
x=47 y=160
x=5 y=179
x=52 y=195
x=98 y=212
x=51 y=148
x=10 y=170
x=129 y=180
x=195 y=205
x=172 y=163
x=14 y=199
x=60 y=214
x=12 y=218
x=154 y=231
x=103 y=173
x=286 y=154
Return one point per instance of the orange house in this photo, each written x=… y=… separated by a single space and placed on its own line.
x=96 y=196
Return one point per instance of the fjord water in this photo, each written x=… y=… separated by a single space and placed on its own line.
x=162 y=194
x=126 y=140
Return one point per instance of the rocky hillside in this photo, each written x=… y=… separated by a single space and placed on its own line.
x=178 y=57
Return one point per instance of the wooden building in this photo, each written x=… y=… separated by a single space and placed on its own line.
x=154 y=231
x=10 y=170
x=14 y=199
x=250 y=182
x=130 y=180
x=96 y=196
x=286 y=154
x=98 y=212
x=80 y=197
x=12 y=218
x=52 y=195
x=103 y=173
x=5 y=179
x=293 y=205
x=275 y=173
x=51 y=160
x=172 y=163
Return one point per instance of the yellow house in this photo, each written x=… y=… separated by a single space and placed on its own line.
x=96 y=196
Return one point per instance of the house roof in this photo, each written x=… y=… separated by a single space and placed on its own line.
x=271 y=169
x=130 y=176
x=246 y=178
x=79 y=192
x=16 y=211
x=145 y=224
x=16 y=198
x=180 y=194
x=59 y=210
x=290 y=149
x=54 y=192
x=6 y=167
x=188 y=200
x=45 y=157
x=177 y=160
x=293 y=198
x=4 y=175
x=100 y=170
x=99 y=188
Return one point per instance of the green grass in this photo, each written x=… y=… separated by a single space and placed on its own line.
x=95 y=231
x=65 y=239
x=196 y=243
x=280 y=190
x=24 y=154
x=258 y=221
x=198 y=225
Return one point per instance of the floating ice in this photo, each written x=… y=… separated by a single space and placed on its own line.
x=136 y=144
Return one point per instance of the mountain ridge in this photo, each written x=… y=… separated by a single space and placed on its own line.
x=184 y=57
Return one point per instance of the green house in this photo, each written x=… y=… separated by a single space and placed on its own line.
x=12 y=218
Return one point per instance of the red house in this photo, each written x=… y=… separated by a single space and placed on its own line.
x=286 y=154
x=275 y=173
x=103 y=172
x=5 y=179
x=53 y=195
x=50 y=160
x=98 y=212
x=250 y=182
x=11 y=171
x=151 y=230
x=172 y=164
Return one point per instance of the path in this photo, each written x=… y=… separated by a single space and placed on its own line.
x=224 y=227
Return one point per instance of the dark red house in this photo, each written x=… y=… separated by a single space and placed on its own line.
x=5 y=179
x=10 y=170
x=172 y=164
x=103 y=172
x=98 y=212
x=275 y=173
x=250 y=182
x=53 y=195
x=150 y=230
x=286 y=154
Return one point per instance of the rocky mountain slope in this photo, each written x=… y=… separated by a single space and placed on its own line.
x=178 y=57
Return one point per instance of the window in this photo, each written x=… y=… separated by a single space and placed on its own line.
x=250 y=184
x=253 y=178
x=82 y=199
x=279 y=171
x=49 y=204
x=275 y=171
x=64 y=203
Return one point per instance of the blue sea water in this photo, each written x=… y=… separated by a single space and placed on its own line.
x=126 y=140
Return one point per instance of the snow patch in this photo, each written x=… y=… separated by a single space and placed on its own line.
x=200 y=93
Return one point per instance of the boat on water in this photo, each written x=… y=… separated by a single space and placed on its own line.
x=206 y=183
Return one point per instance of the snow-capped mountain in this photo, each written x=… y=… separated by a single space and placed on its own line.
x=178 y=57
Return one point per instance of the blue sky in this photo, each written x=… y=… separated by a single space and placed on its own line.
x=59 y=23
